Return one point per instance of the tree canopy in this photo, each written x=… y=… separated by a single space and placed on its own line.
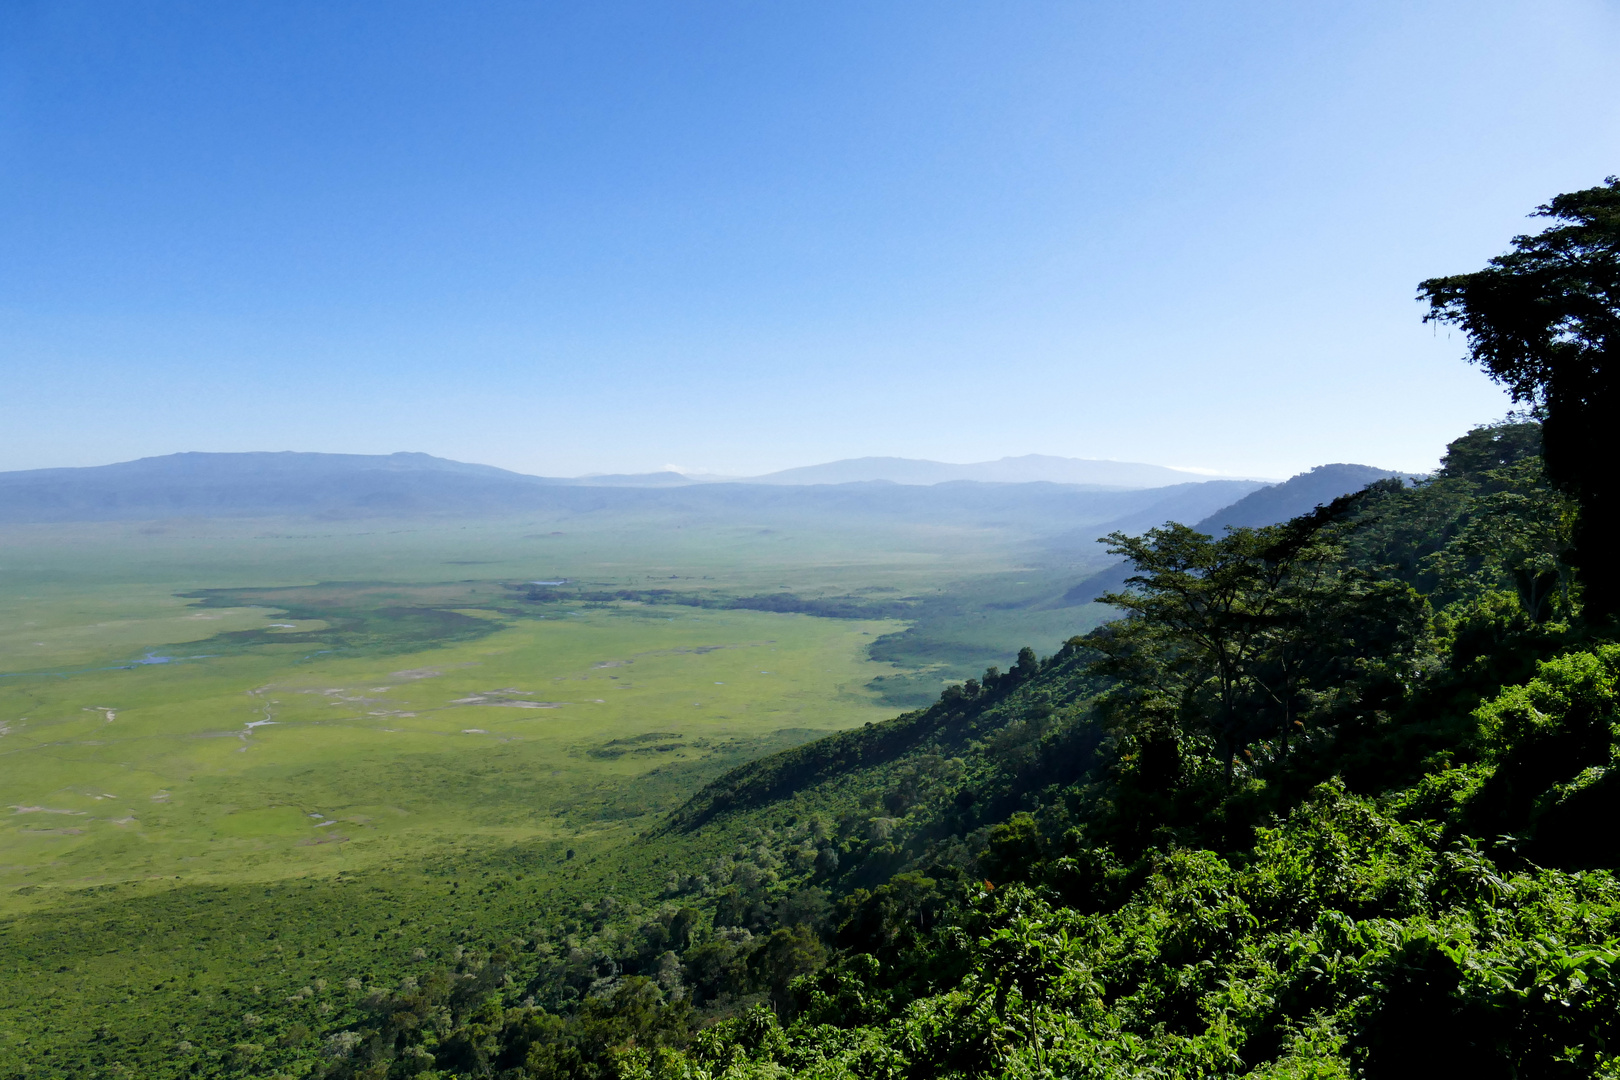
x=1544 y=320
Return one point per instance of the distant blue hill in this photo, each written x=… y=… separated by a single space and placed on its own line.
x=1008 y=470
x=265 y=464
x=229 y=485
x=402 y=485
x=1267 y=506
x=1295 y=496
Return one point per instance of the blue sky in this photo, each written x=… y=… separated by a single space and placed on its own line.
x=739 y=236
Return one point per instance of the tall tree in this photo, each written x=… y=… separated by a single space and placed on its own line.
x=1256 y=634
x=1544 y=320
x=1197 y=623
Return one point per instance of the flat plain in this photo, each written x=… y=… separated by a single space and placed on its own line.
x=220 y=700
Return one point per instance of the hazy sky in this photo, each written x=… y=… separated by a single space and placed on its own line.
x=742 y=236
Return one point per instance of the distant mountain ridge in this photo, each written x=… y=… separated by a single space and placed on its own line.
x=1008 y=470
x=1028 y=468
x=1295 y=496
x=269 y=463
x=1065 y=517
x=279 y=482
x=356 y=485
x=1266 y=506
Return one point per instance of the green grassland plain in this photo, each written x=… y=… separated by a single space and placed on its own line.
x=275 y=761
x=293 y=740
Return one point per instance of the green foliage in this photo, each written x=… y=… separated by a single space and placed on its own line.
x=1551 y=745
x=1256 y=635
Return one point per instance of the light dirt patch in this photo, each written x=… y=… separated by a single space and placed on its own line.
x=507 y=697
